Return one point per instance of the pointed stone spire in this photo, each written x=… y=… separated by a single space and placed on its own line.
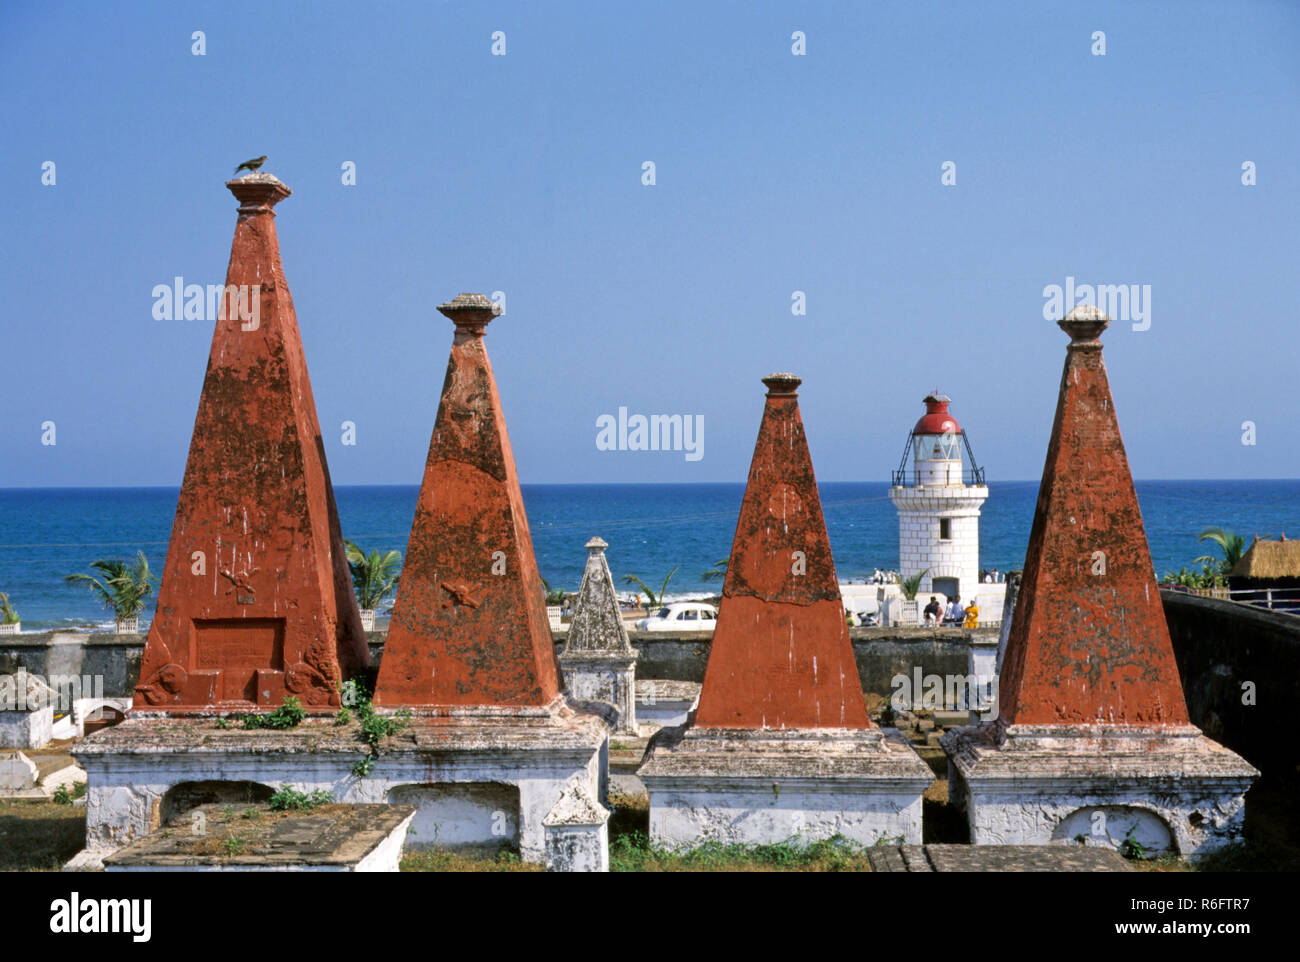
x=597 y=624
x=256 y=600
x=598 y=662
x=469 y=627
x=781 y=656
x=1088 y=642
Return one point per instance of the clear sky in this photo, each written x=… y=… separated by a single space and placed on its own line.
x=774 y=173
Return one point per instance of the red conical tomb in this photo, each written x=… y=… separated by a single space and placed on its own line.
x=781 y=655
x=1088 y=643
x=256 y=601
x=469 y=626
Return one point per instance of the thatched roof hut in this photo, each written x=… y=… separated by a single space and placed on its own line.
x=1268 y=562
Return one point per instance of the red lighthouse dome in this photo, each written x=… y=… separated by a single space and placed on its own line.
x=936 y=419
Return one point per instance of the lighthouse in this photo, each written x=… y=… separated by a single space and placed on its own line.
x=938 y=497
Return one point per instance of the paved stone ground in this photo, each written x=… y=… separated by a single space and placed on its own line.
x=257 y=837
x=995 y=858
x=628 y=785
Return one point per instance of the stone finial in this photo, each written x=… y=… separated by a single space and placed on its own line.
x=1084 y=324
x=258 y=192
x=597 y=624
x=577 y=832
x=576 y=807
x=782 y=384
x=471 y=313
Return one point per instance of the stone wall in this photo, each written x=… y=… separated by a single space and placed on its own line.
x=881 y=653
x=1220 y=646
x=114 y=658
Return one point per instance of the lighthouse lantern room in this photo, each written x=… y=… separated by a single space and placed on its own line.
x=938 y=500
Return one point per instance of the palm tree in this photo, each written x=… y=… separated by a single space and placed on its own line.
x=554 y=596
x=910 y=586
x=1232 y=545
x=7 y=614
x=719 y=570
x=124 y=590
x=652 y=600
x=374 y=576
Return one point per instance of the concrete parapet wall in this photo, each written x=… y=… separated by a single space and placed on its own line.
x=1221 y=646
x=880 y=653
x=114 y=658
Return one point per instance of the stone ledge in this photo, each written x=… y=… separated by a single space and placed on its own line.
x=666 y=690
x=1043 y=755
x=564 y=729
x=815 y=759
x=1001 y=858
x=332 y=836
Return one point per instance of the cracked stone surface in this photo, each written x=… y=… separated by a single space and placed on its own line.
x=781 y=656
x=469 y=625
x=1009 y=858
x=256 y=601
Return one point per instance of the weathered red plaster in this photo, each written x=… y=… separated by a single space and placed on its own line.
x=781 y=656
x=1088 y=648
x=469 y=626
x=256 y=601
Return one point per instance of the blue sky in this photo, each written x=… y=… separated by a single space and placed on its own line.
x=775 y=173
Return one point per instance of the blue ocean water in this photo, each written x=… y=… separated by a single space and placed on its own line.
x=46 y=533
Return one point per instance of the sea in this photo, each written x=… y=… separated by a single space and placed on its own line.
x=652 y=529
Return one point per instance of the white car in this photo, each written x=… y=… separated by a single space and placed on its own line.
x=681 y=616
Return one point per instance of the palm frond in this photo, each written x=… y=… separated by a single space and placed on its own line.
x=125 y=589
x=374 y=576
x=911 y=585
x=719 y=570
x=664 y=590
x=7 y=613
x=634 y=580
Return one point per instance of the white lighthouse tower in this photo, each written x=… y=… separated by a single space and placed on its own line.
x=938 y=500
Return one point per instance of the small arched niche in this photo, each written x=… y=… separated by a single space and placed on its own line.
x=186 y=796
x=1111 y=826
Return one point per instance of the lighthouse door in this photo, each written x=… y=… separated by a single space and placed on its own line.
x=947 y=586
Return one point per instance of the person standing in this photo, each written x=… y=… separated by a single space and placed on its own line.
x=955 y=612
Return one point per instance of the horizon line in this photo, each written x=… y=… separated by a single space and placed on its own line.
x=585 y=484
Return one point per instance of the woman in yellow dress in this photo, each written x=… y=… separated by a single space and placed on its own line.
x=972 y=615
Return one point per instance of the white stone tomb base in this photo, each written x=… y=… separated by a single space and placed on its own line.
x=476 y=777
x=599 y=676
x=769 y=786
x=26 y=729
x=1170 y=789
x=384 y=855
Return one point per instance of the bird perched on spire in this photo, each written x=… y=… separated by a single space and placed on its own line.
x=251 y=165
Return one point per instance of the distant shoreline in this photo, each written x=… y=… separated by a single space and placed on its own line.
x=607 y=484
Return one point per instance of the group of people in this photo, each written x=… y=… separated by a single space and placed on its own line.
x=936 y=614
x=990 y=576
x=879 y=577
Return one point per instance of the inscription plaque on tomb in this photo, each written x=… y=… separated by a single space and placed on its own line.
x=239 y=648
